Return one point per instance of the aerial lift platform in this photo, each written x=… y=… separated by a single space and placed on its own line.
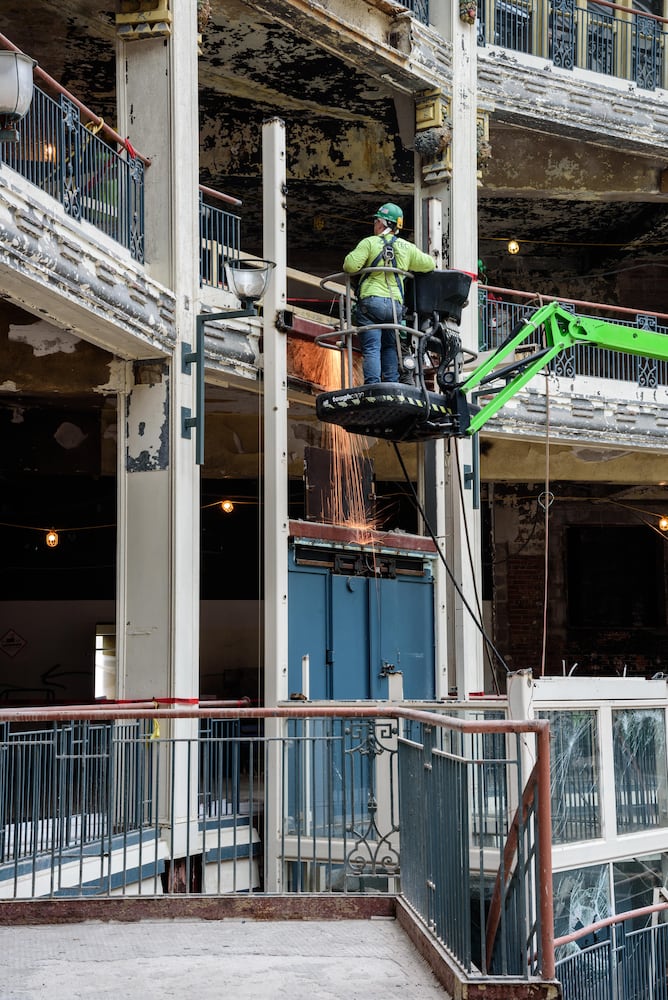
x=444 y=393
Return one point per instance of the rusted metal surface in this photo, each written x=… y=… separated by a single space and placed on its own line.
x=227 y=198
x=254 y=907
x=643 y=911
x=329 y=709
x=544 y=885
x=342 y=535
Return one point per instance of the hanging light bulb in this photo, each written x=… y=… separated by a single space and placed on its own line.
x=513 y=246
x=52 y=538
x=663 y=523
x=227 y=506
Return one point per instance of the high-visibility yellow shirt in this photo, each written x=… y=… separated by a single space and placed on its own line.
x=383 y=283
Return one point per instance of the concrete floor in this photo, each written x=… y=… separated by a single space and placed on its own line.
x=210 y=959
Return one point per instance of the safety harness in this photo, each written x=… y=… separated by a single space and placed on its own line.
x=388 y=258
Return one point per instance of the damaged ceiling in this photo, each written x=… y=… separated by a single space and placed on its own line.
x=583 y=213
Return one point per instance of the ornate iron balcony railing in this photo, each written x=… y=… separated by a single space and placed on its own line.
x=419 y=9
x=601 y=37
x=499 y=309
x=68 y=161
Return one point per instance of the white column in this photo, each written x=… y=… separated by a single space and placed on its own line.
x=434 y=466
x=460 y=223
x=160 y=480
x=275 y=485
x=159 y=483
x=275 y=420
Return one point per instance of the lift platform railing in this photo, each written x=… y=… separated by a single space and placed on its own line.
x=430 y=357
x=356 y=800
x=343 y=338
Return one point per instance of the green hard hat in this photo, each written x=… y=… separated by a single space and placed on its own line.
x=391 y=214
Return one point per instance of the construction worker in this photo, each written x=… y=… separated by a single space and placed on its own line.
x=380 y=295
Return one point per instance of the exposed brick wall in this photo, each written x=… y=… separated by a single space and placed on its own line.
x=520 y=617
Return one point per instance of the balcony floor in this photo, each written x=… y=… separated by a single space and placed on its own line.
x=245 y=959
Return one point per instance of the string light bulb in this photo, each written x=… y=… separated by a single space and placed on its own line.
x=513 y=247
x=663 y=523
x=227 y=506
x=51 y=538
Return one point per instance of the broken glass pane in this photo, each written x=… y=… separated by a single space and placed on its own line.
x=574 y=772
x=581 y=898
x=640 y=882
x=639 y=742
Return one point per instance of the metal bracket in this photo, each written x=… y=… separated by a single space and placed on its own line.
x=189 y=358
x=472 y=472
x=196 y=357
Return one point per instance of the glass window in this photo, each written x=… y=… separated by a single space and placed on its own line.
x=574 y=771
x=639 y=742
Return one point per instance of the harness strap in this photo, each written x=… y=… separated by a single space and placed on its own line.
x=388 y=258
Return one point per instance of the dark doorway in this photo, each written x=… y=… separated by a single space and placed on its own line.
x=615 y=577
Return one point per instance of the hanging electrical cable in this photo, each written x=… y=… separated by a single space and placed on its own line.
x=476 y=621
x=469 y=553
x=546 y=507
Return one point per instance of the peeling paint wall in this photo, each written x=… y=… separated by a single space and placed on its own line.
x=147 y=417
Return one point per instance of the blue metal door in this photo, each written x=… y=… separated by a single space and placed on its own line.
x=406 y=636
x=355 y=629
x=350 y=633
x=308 y=630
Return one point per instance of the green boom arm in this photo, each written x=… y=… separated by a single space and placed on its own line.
x=560 y=330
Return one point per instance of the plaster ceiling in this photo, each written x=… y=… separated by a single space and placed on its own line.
x=583 y=212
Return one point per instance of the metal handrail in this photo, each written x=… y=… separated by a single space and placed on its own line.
x=84 y=822
x=617 y=918
x=103 y=127
x=625 y=964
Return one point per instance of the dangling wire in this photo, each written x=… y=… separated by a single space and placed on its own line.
x=545 y=500
x=478 y=624
x=471 y=563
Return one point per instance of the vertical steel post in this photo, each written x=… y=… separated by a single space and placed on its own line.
x=275 y=483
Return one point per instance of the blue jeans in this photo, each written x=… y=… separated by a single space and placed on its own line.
x=379 y=347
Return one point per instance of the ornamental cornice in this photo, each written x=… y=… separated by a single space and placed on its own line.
x=531 y=92
x=617 y=417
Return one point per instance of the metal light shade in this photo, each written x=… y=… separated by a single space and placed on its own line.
x=248 y=279
x=15 y=84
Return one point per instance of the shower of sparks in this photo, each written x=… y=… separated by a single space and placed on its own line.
x=347 y=504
